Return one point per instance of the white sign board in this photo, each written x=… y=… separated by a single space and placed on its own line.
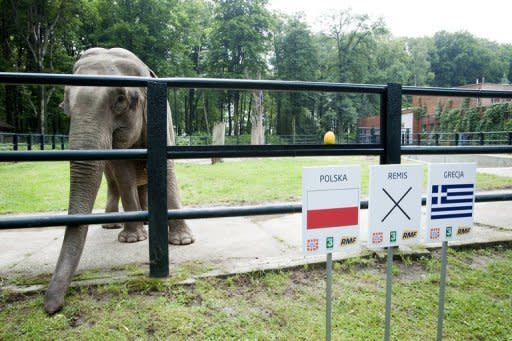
x=330 y=209
x=394 y=207
x=450 y=201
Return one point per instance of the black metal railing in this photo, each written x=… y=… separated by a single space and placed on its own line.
x=388 y=148
x=17 y=141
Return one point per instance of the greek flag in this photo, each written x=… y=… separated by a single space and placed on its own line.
x=452 y=201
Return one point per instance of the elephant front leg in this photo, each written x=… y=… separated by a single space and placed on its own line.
x=179 y=232
x=125 y=177
x=143 y=199
x=112 y=197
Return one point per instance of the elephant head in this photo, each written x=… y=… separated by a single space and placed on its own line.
x=101 y=118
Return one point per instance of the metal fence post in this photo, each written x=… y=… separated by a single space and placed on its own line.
x=29 y=142
x=157 y=179
x=62 y=142
x=53 y=142
x=456 y=139
x=390 y=122
x=510 y=138
x=437 y=139
x=15 y=142
x=481 y=138
x=41 y=142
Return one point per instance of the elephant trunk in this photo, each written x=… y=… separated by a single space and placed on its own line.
x=84 y=185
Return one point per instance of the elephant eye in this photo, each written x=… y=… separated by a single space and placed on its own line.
x=120 y=104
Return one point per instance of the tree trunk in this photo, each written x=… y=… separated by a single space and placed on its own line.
x=236 y=113
x=230 y=119
x=43 y=110
x=218 y=135
x=205 y=111
x=257 y=129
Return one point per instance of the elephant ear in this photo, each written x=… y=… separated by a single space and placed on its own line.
x=64 y=105
x=152 y=73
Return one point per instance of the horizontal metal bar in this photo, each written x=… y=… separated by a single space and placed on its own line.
x=204 y=83
x=228 y=151
x=221 y=212
x=76 y=219
x=274 y=85
x=69 y=79
x=416 y=150
x=66 y=155
x=454 y=92
x=242 y=84
x=187 y=213
x=186 y=152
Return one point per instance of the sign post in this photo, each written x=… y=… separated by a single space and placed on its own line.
x=394 y=215
x=330 y=217
x=450 y=202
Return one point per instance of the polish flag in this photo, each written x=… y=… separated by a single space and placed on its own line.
x=333 y=208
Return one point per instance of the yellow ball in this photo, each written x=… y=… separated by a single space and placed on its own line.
x=329 y=138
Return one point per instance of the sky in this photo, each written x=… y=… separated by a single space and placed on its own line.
x=490 y=19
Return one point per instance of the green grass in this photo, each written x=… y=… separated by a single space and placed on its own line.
x=284 y=305
x=44 y=186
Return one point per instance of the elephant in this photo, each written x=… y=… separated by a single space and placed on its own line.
x=108 y=118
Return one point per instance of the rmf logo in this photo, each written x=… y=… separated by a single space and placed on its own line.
x=463 y=230
x=409 y=234
x=348 y=241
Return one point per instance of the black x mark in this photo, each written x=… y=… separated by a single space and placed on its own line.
x=396 y=204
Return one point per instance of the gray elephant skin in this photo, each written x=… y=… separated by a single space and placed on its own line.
x=108 y=118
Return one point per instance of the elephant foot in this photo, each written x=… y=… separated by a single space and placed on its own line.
x=128 y=236
x=53 y=303
x=180 y=234
x=112 y=226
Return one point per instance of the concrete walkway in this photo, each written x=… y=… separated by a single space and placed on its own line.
x=223 y=246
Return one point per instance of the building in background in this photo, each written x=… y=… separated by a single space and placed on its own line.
x=429 y=105
x=422 y=116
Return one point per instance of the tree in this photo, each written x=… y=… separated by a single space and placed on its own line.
x=39 y=25
x=419 y=63
x=295 y=58
x=239 y=41
x=460 y=58
x=355 y=36
x=141 y=26
x=390 y=61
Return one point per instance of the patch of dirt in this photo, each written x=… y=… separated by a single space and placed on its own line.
x=410 y=272
x=263 y=312
x=309 y=278
x=77 y=321
x=482 y=262
x=100 y=296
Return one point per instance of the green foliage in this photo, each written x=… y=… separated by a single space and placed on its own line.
x=471 y=119
x=419 y=112
x=450 y=121
x=495 y=117
x=420 y=61
x=294 y=38
x=460 y=58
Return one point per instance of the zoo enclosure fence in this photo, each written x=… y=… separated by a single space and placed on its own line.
x=388 y=147
x=16 y=141
x=364 y=135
